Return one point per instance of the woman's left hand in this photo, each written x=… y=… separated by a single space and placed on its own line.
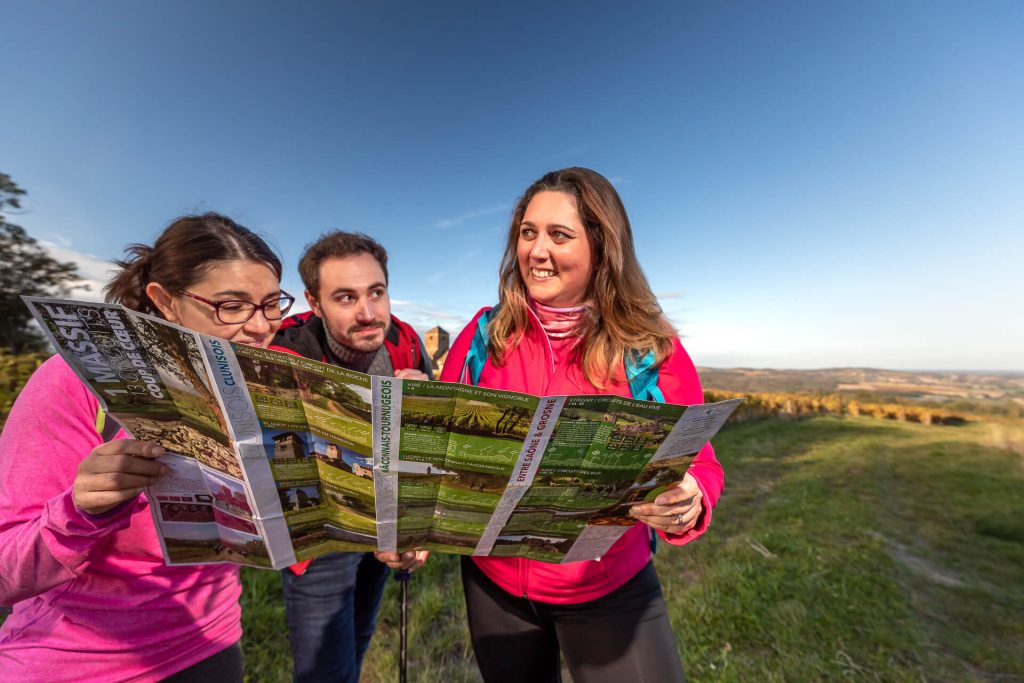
x=675 y=510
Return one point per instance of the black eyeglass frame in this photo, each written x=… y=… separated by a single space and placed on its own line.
x=285 y=296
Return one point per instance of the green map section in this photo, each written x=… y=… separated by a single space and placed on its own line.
x=487 y=433
x=297 y=394
x=293 y=469
x=593 y=463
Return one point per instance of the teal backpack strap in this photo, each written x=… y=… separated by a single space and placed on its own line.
x=477 y=355
x=642 y=375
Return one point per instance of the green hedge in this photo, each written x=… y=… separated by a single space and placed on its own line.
x=15 y=370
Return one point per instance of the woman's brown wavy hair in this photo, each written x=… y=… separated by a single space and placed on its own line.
x=623 y=315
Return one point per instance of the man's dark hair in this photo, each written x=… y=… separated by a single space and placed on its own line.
x=337 y=244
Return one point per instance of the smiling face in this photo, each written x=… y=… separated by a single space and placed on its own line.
x=556 y=258
x=222 y=281
x=353 y=301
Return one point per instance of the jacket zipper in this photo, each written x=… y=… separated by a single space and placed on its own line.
x=547 y=342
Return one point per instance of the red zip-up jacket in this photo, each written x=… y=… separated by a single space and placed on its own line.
x=534 y=367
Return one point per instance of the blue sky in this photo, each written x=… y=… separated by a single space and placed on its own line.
x=810 y=184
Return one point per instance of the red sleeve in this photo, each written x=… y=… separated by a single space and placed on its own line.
x=679 y=383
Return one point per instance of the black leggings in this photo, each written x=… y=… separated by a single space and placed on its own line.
x=623 y=636
x=223 y=667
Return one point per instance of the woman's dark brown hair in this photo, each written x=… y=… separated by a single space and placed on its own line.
x=181 y=257
x=623 y=314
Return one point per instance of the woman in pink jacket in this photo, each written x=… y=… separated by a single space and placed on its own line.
x=572 y=302
x=80 y=560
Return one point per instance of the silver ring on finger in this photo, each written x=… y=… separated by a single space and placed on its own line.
x=679 y=519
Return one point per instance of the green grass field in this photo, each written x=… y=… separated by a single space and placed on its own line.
x=843 y=549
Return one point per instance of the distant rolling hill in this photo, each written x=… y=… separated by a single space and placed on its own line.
x=939 y=387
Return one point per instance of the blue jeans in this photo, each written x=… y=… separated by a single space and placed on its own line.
x=332 y=612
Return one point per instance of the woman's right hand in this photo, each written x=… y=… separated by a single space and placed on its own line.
x=114 y=472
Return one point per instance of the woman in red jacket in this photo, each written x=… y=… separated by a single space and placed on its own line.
x=573 y=301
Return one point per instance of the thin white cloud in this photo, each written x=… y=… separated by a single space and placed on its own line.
x=470 y=256
x=664 y=296
x=425 y=316
x=446 y=223
x=300 y=306
x=95 y=272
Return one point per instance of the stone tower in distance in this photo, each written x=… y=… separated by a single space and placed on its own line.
x=436 y=342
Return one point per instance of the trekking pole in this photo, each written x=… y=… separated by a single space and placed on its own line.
x=402 y=576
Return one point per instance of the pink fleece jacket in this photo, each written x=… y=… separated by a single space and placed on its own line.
x=535 y=367
x=92 y=597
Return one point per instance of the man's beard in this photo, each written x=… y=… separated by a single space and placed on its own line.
x=364 y=345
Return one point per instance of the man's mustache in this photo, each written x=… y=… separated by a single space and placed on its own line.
x=364 y=328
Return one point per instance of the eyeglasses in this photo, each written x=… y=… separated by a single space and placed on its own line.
x=236 y=312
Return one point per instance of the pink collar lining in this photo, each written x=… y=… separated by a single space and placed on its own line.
x=559 y=323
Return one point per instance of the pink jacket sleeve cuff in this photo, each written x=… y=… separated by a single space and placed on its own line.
x=703 y=522
x=71 y=535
